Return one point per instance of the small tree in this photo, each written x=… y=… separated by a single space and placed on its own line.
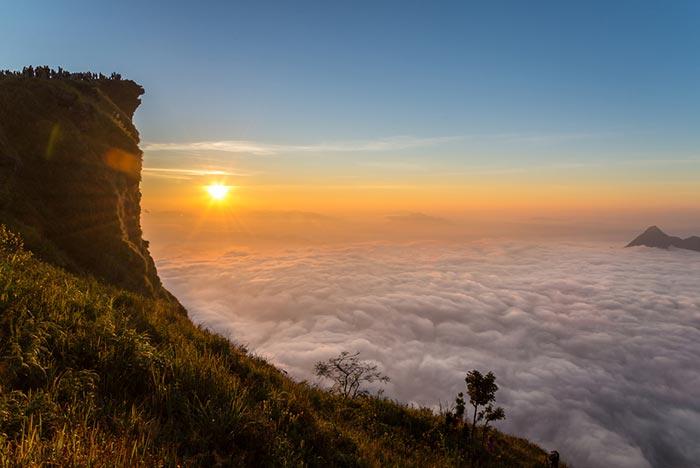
x=348 y=373
x=482 y=391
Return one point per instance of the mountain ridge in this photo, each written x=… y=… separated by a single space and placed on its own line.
x=653 y=236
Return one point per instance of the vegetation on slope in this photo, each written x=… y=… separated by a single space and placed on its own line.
x=94 y=375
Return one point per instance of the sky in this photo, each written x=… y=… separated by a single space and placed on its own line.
x=458 y=109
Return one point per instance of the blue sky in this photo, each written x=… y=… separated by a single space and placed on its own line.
x=497 y=84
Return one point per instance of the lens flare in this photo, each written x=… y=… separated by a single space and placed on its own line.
x=218 y=191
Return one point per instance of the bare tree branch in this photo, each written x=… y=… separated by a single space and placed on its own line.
x=348 y=373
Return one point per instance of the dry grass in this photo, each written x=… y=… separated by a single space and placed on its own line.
x=91 y=375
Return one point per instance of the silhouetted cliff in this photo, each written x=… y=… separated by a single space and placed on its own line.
x=70 y=169
x=655 y=237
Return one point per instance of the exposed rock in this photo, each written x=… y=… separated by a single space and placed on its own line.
x=70 y=175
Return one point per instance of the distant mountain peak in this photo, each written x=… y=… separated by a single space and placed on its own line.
x=653 y=236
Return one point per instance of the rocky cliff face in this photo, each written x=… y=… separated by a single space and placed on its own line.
x=70 y=168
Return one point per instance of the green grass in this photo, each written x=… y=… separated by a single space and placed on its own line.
x=91 y=375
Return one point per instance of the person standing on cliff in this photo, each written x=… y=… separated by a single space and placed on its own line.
x=553 y=459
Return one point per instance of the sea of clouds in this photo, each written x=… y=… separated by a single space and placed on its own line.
x=596 y=348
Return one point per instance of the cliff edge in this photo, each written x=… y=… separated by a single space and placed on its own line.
x=70 y=168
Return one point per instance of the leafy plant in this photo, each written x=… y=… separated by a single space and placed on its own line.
x=482 y=391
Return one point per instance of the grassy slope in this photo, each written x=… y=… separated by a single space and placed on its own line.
x=93 y=375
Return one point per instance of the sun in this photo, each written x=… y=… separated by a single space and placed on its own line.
x=217 y=191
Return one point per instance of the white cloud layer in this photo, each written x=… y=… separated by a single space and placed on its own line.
x=596 y=349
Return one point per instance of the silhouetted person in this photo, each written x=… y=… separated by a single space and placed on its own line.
x=553 y=459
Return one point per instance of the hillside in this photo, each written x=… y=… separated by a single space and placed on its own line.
x=100 y=367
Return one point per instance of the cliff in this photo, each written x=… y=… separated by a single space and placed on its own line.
x=70 y=169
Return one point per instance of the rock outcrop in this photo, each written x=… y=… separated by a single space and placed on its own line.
x=655 y=237
x=70 y=168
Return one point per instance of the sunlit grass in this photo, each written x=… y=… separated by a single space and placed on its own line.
x=95 y=376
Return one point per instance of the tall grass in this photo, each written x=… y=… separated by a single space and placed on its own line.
x=92 y=375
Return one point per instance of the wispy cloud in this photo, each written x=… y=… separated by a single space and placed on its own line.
x=187 y=173
x=394 y=143
x=262 y=148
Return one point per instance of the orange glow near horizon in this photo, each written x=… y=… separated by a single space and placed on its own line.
x=555 y=193
x=521 y=199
